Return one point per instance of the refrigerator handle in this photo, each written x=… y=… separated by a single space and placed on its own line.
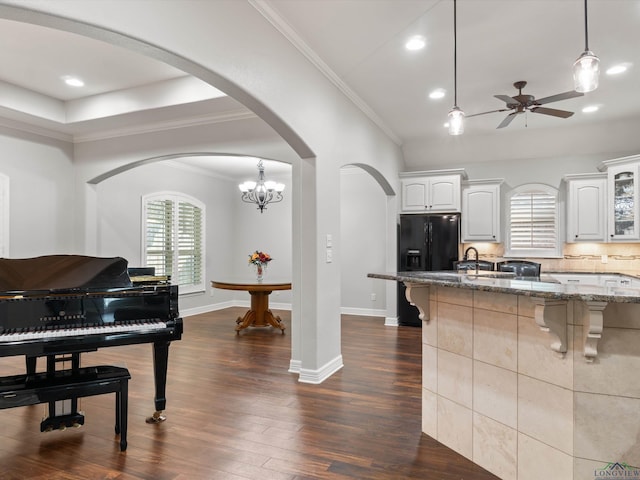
x=426 y=233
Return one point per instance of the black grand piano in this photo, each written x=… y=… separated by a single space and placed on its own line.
x=59 y=306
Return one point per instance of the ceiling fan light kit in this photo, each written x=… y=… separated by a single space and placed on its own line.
x=586 y=69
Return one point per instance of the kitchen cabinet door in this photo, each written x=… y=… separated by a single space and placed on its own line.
x=481 y=212
x=439 y=193
x=587 y=208
x=623 y=203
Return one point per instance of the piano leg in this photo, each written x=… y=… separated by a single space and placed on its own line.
x=31 y=364
x=160 y=365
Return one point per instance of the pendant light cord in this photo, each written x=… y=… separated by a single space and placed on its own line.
x=586 y=30
x=455 y=55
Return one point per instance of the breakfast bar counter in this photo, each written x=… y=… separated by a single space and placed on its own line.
x=529 y=377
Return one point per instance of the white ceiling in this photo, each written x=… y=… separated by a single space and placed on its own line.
x=359 y=43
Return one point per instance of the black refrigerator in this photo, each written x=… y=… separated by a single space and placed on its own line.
x=425 y=243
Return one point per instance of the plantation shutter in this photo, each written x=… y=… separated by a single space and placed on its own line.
x=533 y=221
x=174 y=239
x=159 y=236
x=189 y=244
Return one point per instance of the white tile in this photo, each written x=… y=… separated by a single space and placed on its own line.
x=618 y=354
x=496 y=302
x=495 y=446
x=495 y=393
x=495 y=338
x=455 y=377
x=455 y=296
x=526 y=308
x=430 y=368
x=430 y=413
x=607 y=428
x=430 y=328
x=545 y=412
x=537 y=360
x=455 y=427
x=455 y=328
x=538 y=461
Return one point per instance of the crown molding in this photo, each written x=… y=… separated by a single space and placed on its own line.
x=229 y=116
x=35 y=130
x=269 y=13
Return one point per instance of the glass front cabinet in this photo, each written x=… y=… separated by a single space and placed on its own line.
x=624 y=211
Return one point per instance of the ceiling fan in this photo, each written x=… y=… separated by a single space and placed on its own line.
x=522 y=103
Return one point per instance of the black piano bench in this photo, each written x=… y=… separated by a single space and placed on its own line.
x=23 y=390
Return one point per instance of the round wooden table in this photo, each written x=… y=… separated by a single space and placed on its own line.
x=259 y=314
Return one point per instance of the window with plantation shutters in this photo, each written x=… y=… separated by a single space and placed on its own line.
x=174 y=238
x=533 y=222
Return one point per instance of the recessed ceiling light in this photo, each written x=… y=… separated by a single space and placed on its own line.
x=446 y=125
x=417 y=42
x=73 y=81
x=437 y=93
x=618 y=69
x=590 y=109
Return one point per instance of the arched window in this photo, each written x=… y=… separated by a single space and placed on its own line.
x=533 y=222
x=173 y=240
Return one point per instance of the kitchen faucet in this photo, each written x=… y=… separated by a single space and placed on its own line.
x=466 y=256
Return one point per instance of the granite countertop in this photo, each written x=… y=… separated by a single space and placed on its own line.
x=544 y=286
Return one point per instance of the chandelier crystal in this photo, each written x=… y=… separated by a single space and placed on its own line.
x=261 y=192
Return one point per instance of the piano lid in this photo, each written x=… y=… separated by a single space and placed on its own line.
x=63 y=272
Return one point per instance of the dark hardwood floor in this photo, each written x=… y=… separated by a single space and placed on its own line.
x=234 y=413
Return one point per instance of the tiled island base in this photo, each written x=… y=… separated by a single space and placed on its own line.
x=498 y=389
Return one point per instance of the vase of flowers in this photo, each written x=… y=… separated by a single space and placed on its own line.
x=260 y=260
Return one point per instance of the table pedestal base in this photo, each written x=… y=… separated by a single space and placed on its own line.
x=259 y=315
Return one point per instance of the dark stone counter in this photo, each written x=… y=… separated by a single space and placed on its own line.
x=544 y=286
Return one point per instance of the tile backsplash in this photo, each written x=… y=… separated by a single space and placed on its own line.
x=577 y=257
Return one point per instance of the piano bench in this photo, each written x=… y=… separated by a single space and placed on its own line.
x=23 y=390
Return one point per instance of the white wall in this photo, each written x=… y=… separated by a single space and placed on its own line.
x=269 y=75
x=363 y=228
x=42 y=183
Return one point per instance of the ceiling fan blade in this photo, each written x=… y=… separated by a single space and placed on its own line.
x=552 y=111
x=490 y=111
x=558 y=97
x=507 y=99
x=508 y=119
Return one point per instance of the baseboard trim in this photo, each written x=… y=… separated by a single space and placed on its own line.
x=391 y=321
x=364 y=312
x=294 y=366
x=320 y=375
x=212 y=307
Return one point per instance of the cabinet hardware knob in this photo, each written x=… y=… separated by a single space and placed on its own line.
x=576 y=236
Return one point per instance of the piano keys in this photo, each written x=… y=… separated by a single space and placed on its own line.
x=69 y=304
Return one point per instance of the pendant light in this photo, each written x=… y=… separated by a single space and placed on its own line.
x=586 y=68
x=456 y=115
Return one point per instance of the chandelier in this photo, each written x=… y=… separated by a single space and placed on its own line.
x=261 y=193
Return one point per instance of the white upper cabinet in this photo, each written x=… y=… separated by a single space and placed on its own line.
x=623 y=206
x=480 y=217
x=586 y=207
x=435 y=191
